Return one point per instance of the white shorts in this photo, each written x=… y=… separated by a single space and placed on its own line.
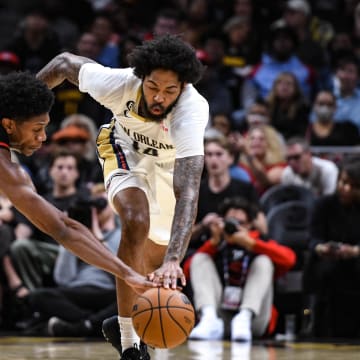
x=123 y=168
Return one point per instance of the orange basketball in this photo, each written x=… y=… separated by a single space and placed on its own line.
x=163 y=318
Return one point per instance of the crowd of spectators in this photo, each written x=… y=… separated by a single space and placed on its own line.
x=281 y=79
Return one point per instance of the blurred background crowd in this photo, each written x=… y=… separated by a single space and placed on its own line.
x=283 y=84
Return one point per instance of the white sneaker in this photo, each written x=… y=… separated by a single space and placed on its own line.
x=241 y=328
x=208 y=329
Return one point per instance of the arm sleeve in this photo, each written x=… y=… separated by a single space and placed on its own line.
x=188 y=125
x=104 y=84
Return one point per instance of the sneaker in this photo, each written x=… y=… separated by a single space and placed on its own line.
x=208 y=329
x=59 y=327
x=136 y=353
x=111 y=332
x=241 y=328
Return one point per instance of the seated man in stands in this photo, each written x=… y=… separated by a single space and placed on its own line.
x=333 y=272
x=319 y=175
x=83 y=295
x=234 y=271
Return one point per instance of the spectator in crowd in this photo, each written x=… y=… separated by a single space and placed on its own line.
x=213 y=87
x=34 y=42
x=127 y=45
x=257 y=114
x=223 y=123
x=102 y=27
x=66 y=29
x=258 y=14
x=323 y=130
x=201 y=15
x=218 y=184
x=354 y=29
x=345 y=86
x=213 y=46
x=279 y=56
x=340 y=43
x=235 y=171
x=83 y=295
x=289 y=110
x=167 y=21
x=234 y=270
x=243 y=47
x=333 y=271
x=34 y=256
x=69 y=100
x=78 y=132
x=88 y=45
x=312 y=32
x=263 y=156
x=304 y=169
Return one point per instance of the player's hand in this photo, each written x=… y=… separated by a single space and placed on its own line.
x=138 y=282
x=167 y=275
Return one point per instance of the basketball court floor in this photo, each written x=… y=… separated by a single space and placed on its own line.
x=26 y=348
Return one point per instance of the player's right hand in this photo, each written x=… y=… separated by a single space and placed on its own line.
x=139 y=283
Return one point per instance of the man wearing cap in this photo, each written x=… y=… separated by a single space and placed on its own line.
x=76 y=139
x=313 y=33
x=280 y=56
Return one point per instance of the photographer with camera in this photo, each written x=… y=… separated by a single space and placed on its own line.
x=233 y=273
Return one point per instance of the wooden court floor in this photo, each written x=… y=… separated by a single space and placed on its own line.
x=25 y=348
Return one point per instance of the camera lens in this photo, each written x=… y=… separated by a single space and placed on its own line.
x=231 y=226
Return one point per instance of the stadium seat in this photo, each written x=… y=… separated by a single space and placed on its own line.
x=280 y=194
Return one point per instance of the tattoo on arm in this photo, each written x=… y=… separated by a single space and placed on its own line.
x=65 y=66
x=187 y=176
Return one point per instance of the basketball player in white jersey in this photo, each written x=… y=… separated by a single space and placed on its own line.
x=152 y=158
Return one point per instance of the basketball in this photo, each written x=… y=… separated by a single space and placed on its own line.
x=163 y=318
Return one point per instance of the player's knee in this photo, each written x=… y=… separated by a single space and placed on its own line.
x=134 y=222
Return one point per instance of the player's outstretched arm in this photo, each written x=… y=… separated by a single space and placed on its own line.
x=16 y=184
x=187 y=177
x=65 y=66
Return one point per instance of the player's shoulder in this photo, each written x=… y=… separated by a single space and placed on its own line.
x=96 y=69
x=192 y=101
x=10 y=170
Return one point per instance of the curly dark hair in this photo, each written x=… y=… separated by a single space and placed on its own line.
x=166 y=52
x=239 y=202
x=23 y=96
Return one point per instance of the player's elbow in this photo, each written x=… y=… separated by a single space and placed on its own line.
x=61 y=234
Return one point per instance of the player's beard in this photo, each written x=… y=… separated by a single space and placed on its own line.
x=146 y=113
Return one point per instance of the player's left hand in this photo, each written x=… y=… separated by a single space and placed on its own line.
x=167 y=275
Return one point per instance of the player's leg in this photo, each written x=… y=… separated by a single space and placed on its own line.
x=132 y=206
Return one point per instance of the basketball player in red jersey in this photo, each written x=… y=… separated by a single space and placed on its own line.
x=24 y=106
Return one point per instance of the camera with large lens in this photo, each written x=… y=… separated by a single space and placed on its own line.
x=80 y=210
x=231 y=225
